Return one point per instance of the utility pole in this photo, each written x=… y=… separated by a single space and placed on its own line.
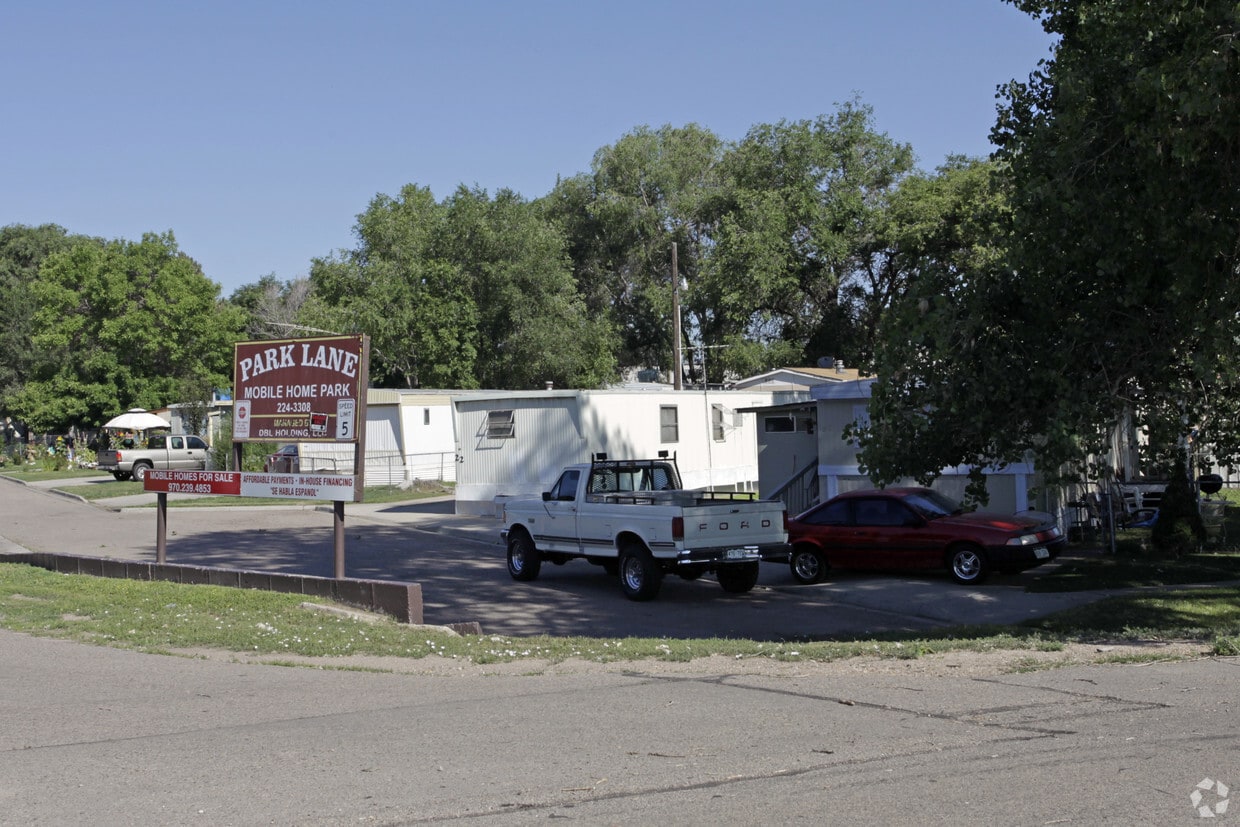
x=677 y=381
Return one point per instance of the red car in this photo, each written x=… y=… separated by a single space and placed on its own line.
x=916 y=528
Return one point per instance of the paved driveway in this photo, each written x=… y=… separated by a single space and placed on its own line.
x=460 y=564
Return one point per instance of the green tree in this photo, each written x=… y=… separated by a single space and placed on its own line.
x=1119 y=288
x=802 y=256
x=648 y=190
x=416 y=306
x=939 y=350
x=533 y=325
x=471 y=292
x=123 y=324
x=22 y=252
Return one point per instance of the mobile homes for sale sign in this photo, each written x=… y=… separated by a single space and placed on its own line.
x=304 y=390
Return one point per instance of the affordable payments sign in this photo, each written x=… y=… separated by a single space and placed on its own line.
x=303 y=390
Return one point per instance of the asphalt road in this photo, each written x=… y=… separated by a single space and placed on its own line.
x=460 y=564
x=100 y=736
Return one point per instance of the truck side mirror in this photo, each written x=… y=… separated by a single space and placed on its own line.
x=546 y=496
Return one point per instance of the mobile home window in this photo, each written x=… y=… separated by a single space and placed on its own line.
x=501 y=425
x=669 y=423
x=778 y=425
x=426 y=416
x=716 y=422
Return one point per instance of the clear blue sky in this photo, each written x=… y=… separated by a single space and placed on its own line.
x=257 y=131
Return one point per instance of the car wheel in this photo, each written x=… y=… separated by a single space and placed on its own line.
x=524 y=561
x=808 y=564
x=139 y=470
x=120 y=476
x=739 y=578
x=967 y=564
x=640 y=576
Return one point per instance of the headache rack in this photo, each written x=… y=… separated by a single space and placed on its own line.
x=648 y=482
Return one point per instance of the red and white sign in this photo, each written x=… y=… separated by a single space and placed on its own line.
x=193 y=482
x=243 y=483
x=300 y=390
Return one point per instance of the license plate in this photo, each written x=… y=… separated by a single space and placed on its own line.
x=1041 y=553
x=736 y=554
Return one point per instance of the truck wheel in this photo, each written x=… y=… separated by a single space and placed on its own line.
x=140 y=469
x=524 y=561
x=739 y=578
x=808 y=564
x=120 y=476
x=640 y=576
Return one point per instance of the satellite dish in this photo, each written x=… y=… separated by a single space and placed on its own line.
x=826 y=361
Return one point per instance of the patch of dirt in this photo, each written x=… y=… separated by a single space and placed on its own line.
x=957 y=664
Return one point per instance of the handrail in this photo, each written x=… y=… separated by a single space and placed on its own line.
x=800 y=491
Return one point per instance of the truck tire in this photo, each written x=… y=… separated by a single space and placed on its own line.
x=739 y=578
x=121 y=476
x=640 y=576
x=140 y=469
x=524 y=559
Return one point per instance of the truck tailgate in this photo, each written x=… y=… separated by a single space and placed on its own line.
x=734 y=524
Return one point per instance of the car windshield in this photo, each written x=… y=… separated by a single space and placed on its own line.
x=932 y=504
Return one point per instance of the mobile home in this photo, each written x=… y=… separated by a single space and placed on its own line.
x=514 y=443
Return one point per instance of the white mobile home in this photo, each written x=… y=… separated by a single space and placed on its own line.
x=409 y=436
x=514 y=443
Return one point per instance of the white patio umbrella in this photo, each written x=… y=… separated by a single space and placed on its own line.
x=137 y=419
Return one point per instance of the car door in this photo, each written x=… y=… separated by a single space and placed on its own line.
x=886 y=534
x=196 y=449
x=178 y=456
x=831 y=526
x=559 y=530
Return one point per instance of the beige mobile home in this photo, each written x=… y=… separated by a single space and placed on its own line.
x=514 y=443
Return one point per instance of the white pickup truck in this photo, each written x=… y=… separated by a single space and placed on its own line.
x=633 y=518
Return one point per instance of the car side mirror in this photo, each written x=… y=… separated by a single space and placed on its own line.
x=546 y=496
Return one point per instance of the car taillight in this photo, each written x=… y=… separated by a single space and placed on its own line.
x=118 y=456
x=678 y=528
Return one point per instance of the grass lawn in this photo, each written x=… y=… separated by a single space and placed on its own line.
x=31 y=473
x=165 y=617
x=1208 y=613
x=1120 y=571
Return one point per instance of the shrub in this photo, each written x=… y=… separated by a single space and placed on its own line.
x=1178 y=529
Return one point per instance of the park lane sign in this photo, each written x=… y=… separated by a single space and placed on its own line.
x=300 y=390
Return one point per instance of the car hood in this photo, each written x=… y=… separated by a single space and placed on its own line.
x=1002 y=522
